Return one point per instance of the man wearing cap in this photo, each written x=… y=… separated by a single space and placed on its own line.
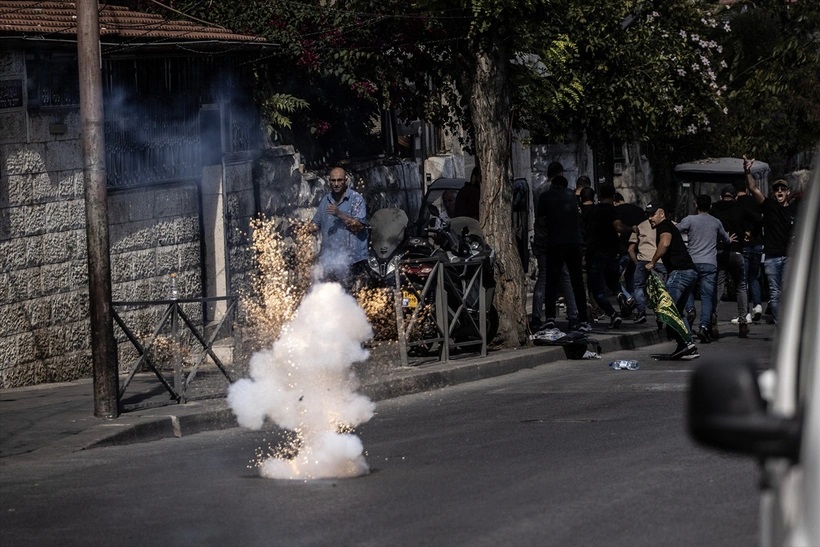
x=778 y=220
x=682 y=275
x=737 y=221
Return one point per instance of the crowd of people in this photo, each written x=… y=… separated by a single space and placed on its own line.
x=600 y=253
x=603 y=252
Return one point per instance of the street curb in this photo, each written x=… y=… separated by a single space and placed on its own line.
x=196 y=417
x=214 y=414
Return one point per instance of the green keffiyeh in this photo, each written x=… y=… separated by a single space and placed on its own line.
x=665 y=310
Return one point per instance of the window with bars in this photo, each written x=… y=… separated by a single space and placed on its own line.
x=53 y=80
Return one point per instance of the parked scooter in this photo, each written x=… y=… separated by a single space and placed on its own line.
x=462 y=250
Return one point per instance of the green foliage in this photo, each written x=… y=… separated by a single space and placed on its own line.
x=773 y=57
x=688 y=76
x=277 y=108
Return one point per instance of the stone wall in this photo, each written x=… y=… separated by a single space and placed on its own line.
x=154 y=231
x=633 y=178
x=44 y=331
x=44 y=302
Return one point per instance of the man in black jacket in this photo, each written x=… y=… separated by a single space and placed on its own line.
x=558 y=210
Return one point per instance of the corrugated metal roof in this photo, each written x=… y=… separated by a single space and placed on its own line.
x=57 y=19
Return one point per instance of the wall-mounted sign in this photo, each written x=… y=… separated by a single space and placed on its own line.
x=11 y=93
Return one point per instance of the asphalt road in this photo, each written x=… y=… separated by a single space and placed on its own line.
x=568 y=453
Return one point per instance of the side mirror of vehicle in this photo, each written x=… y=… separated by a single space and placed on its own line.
x=727 y=411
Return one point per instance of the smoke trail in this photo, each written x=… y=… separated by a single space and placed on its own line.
x=305 y=384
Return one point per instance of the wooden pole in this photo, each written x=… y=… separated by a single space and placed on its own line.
x=103 y=346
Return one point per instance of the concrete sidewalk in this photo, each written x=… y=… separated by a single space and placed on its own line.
x=58 y=418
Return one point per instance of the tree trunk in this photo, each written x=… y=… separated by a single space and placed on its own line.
x=490 y=104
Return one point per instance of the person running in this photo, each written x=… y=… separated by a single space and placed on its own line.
x=752 y=251
x=737 y=221
x=603 y=228
x=682 y=276
x=704 y=233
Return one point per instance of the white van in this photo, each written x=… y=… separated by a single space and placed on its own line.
x=782 y=430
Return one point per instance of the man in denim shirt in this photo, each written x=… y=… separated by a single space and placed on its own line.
x=340 y=218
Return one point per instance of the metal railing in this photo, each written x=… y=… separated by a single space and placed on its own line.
x=434 y=331
x=175 y=319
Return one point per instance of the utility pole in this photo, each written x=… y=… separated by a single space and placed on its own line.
x=103 y=345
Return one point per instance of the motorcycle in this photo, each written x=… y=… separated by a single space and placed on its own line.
x=459 y=247
x=394 y=254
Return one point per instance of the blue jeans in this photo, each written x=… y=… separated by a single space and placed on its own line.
x=627 y=268
x=681 y=284
x=603 y=273
x=641 y=276
x=775 y=268
x=707 y=279
x=752 y=256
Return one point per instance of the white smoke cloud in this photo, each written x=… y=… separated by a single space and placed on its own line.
x=304 y=383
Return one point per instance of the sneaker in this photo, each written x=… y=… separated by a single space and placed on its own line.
x=703 y=335
x=684 y=351
x=743 y=330
x=757 y=313
x=615 y=321
x=640 y=319
x=694 y=354
x=584 y=327
x=549 y=323
x=736 y=320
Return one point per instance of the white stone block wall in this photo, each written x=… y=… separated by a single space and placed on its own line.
x=153 y=232
x=44 y=331
x=44 y=327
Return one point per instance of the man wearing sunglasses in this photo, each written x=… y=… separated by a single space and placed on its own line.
x=340 y=218
x=778 y=220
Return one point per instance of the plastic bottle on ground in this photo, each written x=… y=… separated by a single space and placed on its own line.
x=623 y=364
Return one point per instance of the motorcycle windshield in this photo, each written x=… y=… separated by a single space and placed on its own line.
x=387 y=231
x=473 y=227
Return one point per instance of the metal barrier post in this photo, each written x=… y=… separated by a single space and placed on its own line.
x=176 y=352
x=442 y=311
x=397 y=303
